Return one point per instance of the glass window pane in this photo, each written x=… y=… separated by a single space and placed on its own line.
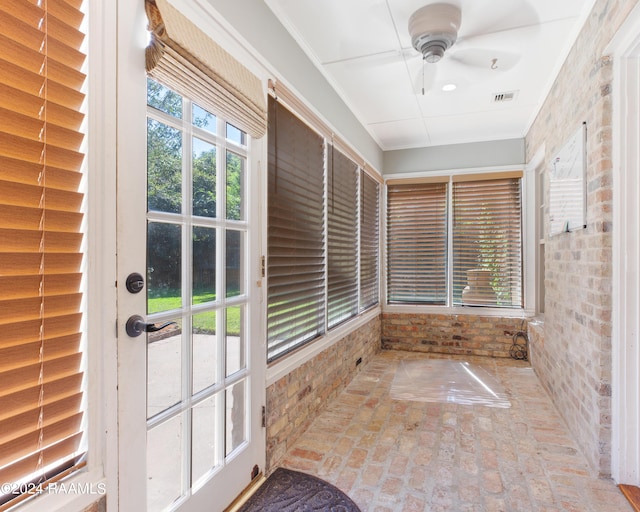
x=204 y=119
x=204 y=265
x=164 y=369
x=204 y=178
x=205 y=351
x=235 y=186
x=234 y=263
x=164 y=260
x=164 y=464
x=235 y=425
x=166 y=100
x=234 y=340
x=164 y=167
x=236 y=135
x=206 y=445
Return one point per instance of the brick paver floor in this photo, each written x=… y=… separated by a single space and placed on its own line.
x=392 y=455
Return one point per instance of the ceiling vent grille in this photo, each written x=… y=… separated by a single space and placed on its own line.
x=501 y=97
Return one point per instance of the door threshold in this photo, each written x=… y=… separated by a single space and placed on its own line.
x=246 y=494
x=632 y=493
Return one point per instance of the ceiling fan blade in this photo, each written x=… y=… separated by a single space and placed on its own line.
x=424 y=78
x=505 y=15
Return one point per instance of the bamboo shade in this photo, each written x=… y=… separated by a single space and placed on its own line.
x=417 y=243
x=41 y=81
x=188 y=61
x=487 y=235
x=342 y=236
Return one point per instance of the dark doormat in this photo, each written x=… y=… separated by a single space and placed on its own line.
x=288 y=491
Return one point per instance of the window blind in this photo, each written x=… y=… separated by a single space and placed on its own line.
x=487 y=241
x=417 y=242
x=41 y=378
x=295 y=257
x=342 y=236
x=369 y=241
x=188 y=61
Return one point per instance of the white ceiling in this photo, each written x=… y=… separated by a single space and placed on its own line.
x=364 y=49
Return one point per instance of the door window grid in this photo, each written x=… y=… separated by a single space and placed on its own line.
x=218 y=392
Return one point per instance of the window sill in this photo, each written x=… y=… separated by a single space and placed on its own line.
x=457 y=310
x=75 y=493
x=281 y=367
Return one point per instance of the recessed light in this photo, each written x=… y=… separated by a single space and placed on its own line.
x=449 y=87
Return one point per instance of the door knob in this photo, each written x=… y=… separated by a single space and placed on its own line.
x=136 y=326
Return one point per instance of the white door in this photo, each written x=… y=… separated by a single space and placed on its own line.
x=190 y=394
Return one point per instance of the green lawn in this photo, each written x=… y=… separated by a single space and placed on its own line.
x=171 y=299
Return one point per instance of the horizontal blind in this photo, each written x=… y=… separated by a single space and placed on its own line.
x=187 y=60
x=417 y=243
x=369 y=241
x=487 y=243
x=41 y=376
x=295 y=258
x=342 y=237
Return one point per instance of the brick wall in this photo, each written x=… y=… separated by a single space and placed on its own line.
x=297 y=398
x=574 y=358
x=450 y=334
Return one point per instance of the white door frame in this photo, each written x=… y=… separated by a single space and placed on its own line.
x=625 y=456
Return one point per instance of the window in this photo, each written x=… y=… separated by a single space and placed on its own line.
x=417 y=243
x=322 y=234
x=455 y=241
x=41 y=261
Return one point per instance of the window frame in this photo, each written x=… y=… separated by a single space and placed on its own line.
x=527 y=237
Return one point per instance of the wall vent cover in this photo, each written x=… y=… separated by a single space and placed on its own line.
x=500 y=97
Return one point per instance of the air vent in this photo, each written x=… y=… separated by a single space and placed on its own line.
x=500 y=97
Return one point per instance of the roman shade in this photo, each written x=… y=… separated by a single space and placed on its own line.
x=188 y=61
x=41 y=163
x=417 y=241
x=487 y=240
x=296 y=247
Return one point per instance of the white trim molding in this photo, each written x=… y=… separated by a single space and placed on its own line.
x=625 y=456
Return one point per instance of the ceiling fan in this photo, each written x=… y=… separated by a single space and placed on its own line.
x=434 y=31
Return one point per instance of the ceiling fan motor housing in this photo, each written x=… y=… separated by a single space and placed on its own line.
x=434 y=29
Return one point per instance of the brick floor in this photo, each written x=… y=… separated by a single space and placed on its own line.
x=391 y=455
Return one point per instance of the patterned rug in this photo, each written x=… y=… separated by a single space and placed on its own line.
x=288 y=491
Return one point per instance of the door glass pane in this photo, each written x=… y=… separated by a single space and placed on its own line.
x=204 y=178
x=205 y=351
x=235 y=186
x=235 y=427
x=164 y=368
x=163 y=99
x=234 y=262
x=204 y=265
x=204 y=119
x=236 y=135
x=234 y=339
x=205 y=451
x=164 y=167
x=164 y=261
x=164 y=464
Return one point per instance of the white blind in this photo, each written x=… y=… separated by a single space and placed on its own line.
x=487 y=242
x=369 y=241
x=342 y=236
x=295 y=258
x=417 y=243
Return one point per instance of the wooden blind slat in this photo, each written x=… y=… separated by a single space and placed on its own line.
x=41 y=82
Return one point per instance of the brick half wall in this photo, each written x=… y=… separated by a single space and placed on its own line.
x=295 y=400
x=450 y=334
